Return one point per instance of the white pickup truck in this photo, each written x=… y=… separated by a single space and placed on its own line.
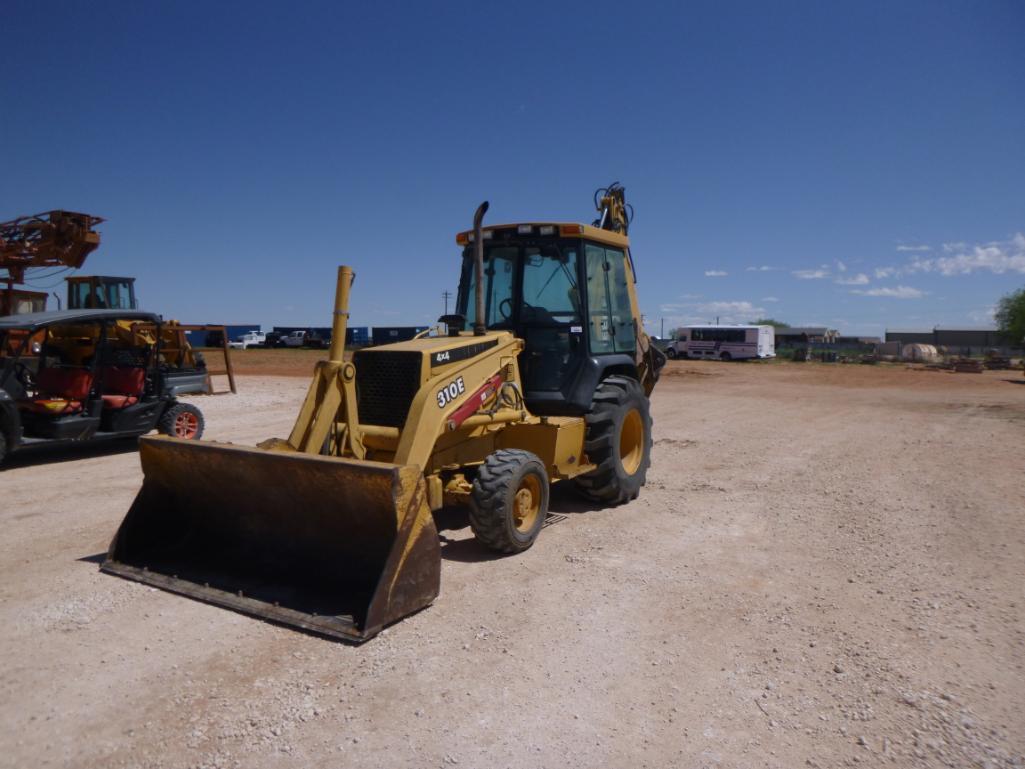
x=252 y=339
x=303 y=339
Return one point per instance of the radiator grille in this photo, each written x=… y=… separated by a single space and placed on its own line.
x=386 y=383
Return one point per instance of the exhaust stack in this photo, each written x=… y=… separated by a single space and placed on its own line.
x=479 y=327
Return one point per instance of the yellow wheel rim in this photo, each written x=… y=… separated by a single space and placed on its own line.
x=631 y=441
x=527 y=504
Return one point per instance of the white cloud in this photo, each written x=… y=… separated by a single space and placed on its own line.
x=983 y=316
x=997 y=257
x=689 y=313
x=840 y=266
x=885 y=272
x=728 y=308
x=715 y=273
x=914 y=248
x=763 y=268
x=900 y=292
x=860 y=279
x=810 y=274
x=770 y=299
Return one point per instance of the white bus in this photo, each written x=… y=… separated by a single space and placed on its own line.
x=723 y=342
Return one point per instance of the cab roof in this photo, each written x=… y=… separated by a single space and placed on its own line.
x=36 y=319
x=562 y=229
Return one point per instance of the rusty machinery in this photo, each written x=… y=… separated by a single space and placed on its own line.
x=59 y=239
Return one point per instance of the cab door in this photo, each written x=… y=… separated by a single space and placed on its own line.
x=610 y=316
x=550 y=320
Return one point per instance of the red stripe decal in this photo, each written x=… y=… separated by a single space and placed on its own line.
x=474 y=402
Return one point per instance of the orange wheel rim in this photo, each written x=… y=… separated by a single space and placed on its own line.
x=631 y=441
x=186 y=425
x=527 y=504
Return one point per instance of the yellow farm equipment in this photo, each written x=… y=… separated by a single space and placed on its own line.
x=543 y=375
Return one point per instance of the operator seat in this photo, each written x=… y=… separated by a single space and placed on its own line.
x=122 y=386
x=60 y=390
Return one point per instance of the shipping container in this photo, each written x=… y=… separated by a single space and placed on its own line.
x=357 y=336
x=213 y=338
x=389 y=334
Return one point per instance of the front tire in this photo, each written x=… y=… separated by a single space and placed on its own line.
x=671 y=353
x=509 y=501
x=618 y=441
x=182 y=420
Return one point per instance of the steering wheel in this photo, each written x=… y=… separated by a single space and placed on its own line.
x=506 y=313
x=25 y=376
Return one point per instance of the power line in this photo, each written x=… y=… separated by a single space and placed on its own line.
x=37 y=277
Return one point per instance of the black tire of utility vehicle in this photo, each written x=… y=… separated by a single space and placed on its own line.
x=509 y=501
x=618 y=441
x=182 y=420
x=3 y=445
x=671 y=353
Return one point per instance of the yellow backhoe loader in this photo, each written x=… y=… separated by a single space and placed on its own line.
x=543 y=376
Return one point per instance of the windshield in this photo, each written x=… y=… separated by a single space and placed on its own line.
x=499 y=278
x=544 y=275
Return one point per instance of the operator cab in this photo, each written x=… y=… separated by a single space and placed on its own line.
x=564 y=290
x=101 y=292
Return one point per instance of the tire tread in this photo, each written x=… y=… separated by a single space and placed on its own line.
x=489 y=510
x=604 y=484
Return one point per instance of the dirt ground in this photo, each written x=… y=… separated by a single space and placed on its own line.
x=826 y=568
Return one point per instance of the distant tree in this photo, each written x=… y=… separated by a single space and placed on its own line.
x=1010 y=314
x=770 y=322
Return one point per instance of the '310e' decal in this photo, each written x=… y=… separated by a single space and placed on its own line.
x=450 y=392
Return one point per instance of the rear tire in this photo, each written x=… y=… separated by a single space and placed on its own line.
x=725 y=356
x=509 y=501
x=618 y=441
x=182 y=420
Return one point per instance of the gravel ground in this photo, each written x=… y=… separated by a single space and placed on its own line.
x=827 y=568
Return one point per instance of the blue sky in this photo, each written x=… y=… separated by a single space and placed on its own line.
x=857 y=165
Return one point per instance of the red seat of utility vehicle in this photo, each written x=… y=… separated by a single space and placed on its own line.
x=59 y=390
x=122 y=386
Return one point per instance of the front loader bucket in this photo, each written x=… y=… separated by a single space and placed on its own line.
x=335 y=546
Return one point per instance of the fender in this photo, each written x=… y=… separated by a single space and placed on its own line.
x=575 y=400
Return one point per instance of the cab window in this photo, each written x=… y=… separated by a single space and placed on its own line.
x=550 y=293
x=610 y=322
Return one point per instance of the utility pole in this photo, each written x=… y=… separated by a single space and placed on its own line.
x=446 y=295
x=662 y=331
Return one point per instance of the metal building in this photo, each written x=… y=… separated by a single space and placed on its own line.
x=800 y=335
x=957 y=341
